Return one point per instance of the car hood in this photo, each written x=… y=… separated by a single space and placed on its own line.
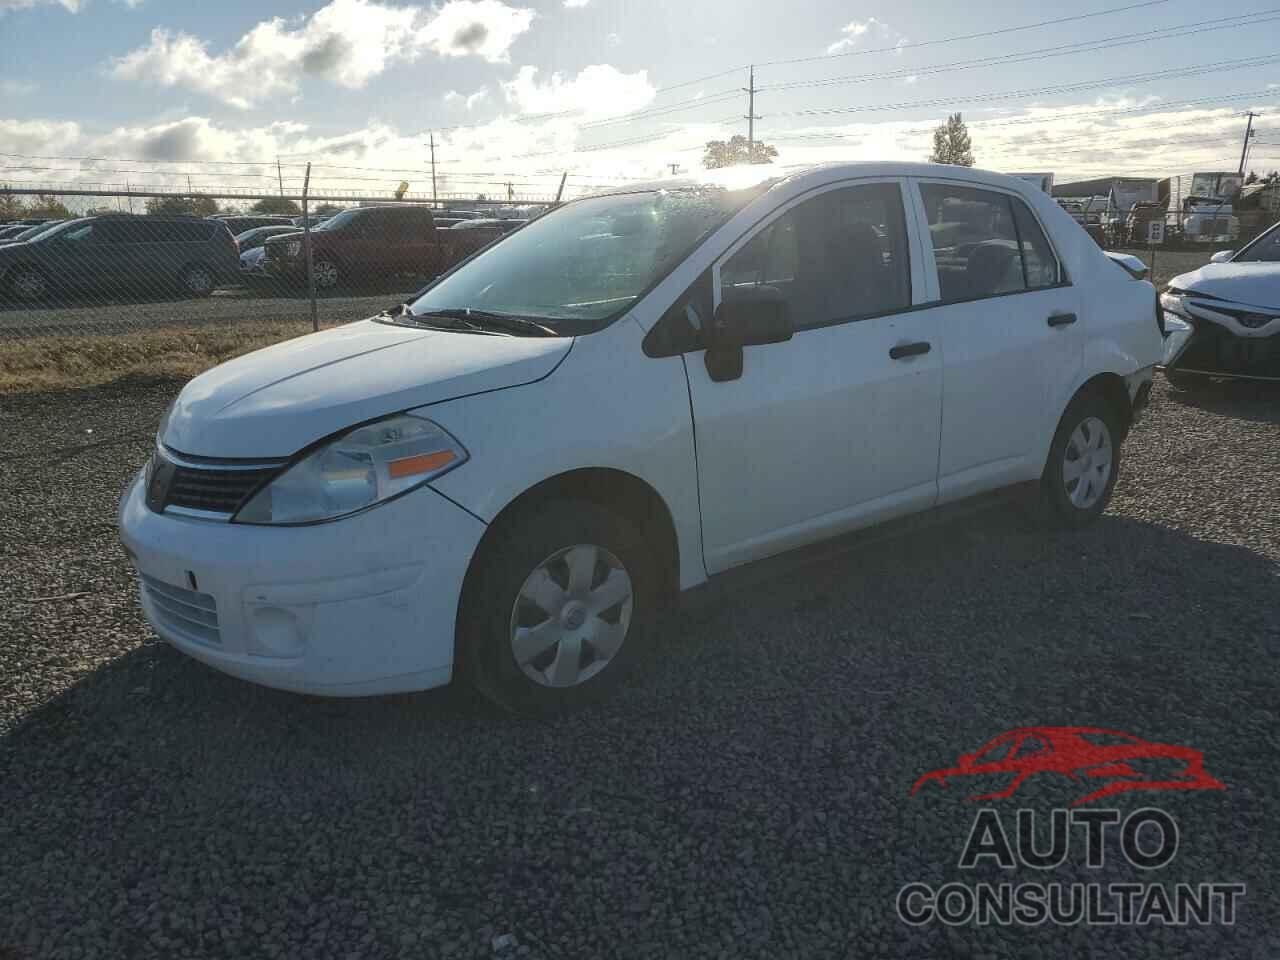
x=1252 y=284
x=275 y=401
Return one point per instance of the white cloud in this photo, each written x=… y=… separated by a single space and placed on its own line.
x=855 y=31
x=454 y=98
x=37 y=136
x=599 y=90
x=481 y=28
x=576 y=4
x=72 y=5
x=347 y=42
x=17 y=88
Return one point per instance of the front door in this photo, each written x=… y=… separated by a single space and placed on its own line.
x=837 y=427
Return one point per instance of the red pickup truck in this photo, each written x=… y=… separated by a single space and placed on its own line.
x=366 y=244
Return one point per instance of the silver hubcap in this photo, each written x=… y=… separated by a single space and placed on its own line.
x=199 y=280
x=1086 y=466
x=28 y=284
x=326 y=274
x=571 y=616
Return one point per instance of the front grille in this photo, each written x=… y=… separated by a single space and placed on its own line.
x=217 y=491
x=183 y=611
x=213 y=487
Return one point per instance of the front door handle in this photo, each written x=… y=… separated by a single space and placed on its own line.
x=904 y=350
x=1061 y=319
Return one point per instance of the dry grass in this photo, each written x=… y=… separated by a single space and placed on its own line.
x=68 y=362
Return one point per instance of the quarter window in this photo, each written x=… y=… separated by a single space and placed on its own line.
x=1041 y=265
x=839 y=256
x=975 y=242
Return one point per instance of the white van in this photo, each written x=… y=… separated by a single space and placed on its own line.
x=640 y=390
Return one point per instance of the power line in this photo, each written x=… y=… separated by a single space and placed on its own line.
x=1135 y=78
x=968 y=36
x=1045 y=53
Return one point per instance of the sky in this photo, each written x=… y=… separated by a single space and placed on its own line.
x=166 y=92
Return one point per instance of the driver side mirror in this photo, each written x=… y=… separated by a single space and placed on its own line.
x=749 y=316
x=1222 y=256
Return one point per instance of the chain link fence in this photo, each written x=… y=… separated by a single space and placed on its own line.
x=94 y=286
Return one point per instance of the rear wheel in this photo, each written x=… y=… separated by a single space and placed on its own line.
x=560 y=603
x=28 y=283
x=198 y=280
x=1083 y=464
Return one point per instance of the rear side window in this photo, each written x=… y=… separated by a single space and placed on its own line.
x=975 y=242
x=1266 y=249
x=839 y=256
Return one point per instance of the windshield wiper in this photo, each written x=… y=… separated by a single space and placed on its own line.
x=482 y=320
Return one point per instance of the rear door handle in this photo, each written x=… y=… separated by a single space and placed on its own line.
x=904 y=350
x=1061 y=319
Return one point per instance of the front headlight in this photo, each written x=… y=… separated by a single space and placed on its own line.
x=364 y=466
x=1175 y=310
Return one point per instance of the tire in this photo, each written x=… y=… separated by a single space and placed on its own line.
x=1088 y=431
x=28 y=283
x=1185 y=381
x=558 y=653
x=197 y=280
x=326 y=273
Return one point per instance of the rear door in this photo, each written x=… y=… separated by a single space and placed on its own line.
x=1010 y=337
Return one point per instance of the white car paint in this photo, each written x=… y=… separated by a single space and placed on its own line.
x=822 y=434
x=1244 y=285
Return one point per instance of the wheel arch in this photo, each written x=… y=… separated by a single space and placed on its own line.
x=622 y=492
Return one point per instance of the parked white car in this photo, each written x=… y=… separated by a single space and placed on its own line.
x=1223 y=320
x=639 y=391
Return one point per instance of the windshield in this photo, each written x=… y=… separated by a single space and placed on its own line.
x=588 y=261
x=336 y=222
x=52 y=230
x=1265 y=249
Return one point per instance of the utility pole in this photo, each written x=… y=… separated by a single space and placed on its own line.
x=511 y=191
x=279 y=174
x=433 y=168
x=751 y=117
x=1248 y=132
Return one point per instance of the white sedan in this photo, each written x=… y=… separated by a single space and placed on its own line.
x=640 y=391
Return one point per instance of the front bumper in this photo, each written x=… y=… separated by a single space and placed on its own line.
x=359 y=606
x=1217 y=344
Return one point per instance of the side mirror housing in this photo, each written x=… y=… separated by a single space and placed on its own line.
x=748 y=317
x=1222 y=256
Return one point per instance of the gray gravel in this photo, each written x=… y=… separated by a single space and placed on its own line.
x=745 y=796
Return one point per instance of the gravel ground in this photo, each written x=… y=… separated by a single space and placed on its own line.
x=745 y=796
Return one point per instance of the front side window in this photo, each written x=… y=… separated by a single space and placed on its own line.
x=580 y=265
x=841 y=255
x=975 y=242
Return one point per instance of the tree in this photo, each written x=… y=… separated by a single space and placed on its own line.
x=47 y=206
x=732 y=152
x=10 y=207
x=277 y=205
x=183 y=206
x=327 y=210
x=1251 y=178
x=951 y=143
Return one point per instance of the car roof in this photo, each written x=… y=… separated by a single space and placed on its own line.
x=813 y=175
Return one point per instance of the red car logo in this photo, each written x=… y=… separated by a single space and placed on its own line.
x=1081 y=754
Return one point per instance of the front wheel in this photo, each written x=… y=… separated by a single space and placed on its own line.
x=326 y=274
x=1083 y=464
x=560 y=603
